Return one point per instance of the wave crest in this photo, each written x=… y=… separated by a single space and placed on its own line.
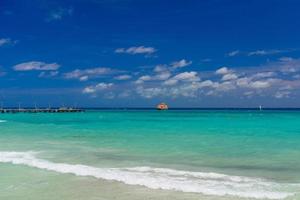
x=162 y=178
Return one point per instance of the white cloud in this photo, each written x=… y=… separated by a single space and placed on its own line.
x=150 y=92
x=170 y=82
x=136 y=50
x=84 y=78
x=89 y=90
x=160 y=68
x=164 y=75
x=186 y=85
x=163 y=81
x=45 y=74
x=285 y=65
x=230 y=76
x=206 y=83
x=243 y=82
x=86 y=74
x=225 y=86
x=262 y=80
x=187 y=76
x=266 y=52
x=36 y=65
x=260 y=84
x=223 y=70
x=286 y=59
x=123 y=77
x=96 y=88
x=264 y=75
x=7 y=41
x=233 y=53
x=59 y=13
x=249 y=94
x=282 y=94
x=142 y=79
x=145 y=78
x=260 y=52
x=246 y=82
x=286 y=87
x=184 y=89
x=184 y=76
x=181 y=63
x=164 y=72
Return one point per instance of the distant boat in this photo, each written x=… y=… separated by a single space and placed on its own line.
x=260 y=107
x=162 y=106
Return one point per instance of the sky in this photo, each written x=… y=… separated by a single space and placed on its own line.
x=137 y=53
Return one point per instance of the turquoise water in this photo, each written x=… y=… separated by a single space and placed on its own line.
x=193 y=154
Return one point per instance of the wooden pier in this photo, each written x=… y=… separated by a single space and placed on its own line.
x=40 y=110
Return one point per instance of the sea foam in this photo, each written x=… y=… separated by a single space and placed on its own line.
x=2 y=121
x=162 y=178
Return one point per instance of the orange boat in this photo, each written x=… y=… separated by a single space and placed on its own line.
x=162 y=106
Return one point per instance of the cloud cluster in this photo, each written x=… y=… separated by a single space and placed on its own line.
x=278 y=79
x=226 y=74
x=163 y=75
x=164 y=72
x=270 y=79
x=223 y=71
x=96 y=88
x=184 y=76
x=150 y=92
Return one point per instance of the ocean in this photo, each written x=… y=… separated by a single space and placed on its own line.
x=149 y=154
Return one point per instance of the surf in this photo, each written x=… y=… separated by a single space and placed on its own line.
x=162 y=178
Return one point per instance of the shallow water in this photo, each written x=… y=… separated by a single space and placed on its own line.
x=150 y=154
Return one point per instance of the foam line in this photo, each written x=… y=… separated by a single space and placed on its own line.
x=162 y=178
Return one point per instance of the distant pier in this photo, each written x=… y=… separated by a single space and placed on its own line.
x=40 y=110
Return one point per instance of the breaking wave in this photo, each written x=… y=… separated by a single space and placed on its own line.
x=162 y=178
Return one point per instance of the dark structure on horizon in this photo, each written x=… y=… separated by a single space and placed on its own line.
x=40 y=110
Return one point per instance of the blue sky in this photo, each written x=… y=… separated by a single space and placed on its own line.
x=136 y=53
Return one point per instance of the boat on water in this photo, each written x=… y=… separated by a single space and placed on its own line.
x=162 y=106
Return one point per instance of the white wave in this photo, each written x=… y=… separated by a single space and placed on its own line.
x=161 y=178
x=2 y=121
